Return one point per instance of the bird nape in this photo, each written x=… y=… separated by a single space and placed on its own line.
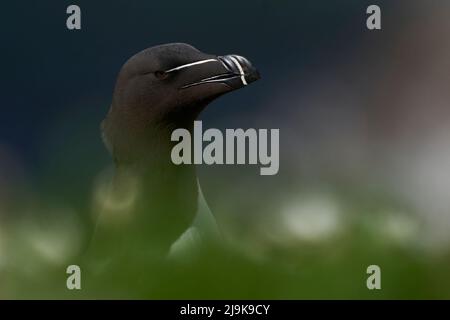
x=150 y=201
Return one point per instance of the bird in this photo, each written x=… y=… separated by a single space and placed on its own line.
x=150 y=205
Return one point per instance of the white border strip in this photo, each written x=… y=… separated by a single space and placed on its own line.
x=191 y=64
x=236 y=62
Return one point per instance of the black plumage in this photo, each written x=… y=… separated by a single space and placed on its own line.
x=151 y=201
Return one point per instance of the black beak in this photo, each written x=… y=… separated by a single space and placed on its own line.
x=238 y=72
x=239 y=65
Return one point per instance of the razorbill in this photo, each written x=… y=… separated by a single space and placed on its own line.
x=150 y=201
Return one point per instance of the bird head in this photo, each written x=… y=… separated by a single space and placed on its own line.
x=166 y=87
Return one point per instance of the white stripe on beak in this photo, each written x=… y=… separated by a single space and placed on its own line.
x=238 y=65
x=191 y=64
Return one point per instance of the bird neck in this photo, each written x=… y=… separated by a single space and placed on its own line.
x=151 y=201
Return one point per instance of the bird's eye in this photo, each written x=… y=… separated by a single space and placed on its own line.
x=161 y=75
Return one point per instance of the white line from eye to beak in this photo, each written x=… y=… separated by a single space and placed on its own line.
x=191 y=64
x=236 y=62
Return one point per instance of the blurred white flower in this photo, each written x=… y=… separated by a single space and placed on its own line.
x=56 y=241
x=314 y=218
x=399 y=227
